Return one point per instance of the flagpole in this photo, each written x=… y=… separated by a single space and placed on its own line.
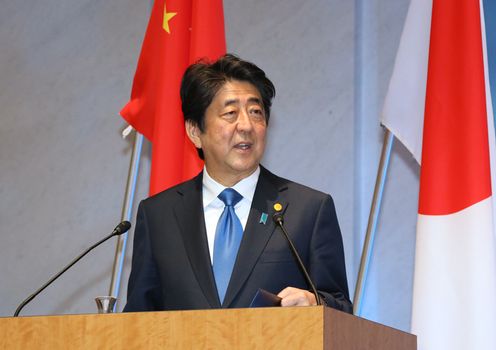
x=127 y=210
x=375 y=207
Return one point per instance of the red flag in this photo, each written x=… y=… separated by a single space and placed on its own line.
x=455 y=170
x=179 y=33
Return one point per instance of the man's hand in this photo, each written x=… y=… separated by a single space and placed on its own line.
x=296 y=297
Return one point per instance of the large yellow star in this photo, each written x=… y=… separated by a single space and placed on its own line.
x=167 y=18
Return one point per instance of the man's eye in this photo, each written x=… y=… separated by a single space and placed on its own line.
x=230 y=113
x=257 y=112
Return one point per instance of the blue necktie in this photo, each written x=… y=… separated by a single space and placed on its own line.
x=228 y=236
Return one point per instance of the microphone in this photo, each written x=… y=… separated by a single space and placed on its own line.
x=279 y=220
x=123 y=227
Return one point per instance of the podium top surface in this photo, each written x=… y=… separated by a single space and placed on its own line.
x=315 y=327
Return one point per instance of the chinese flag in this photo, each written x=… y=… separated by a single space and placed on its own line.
x=180 y=32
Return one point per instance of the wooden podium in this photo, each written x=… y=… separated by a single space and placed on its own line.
x=315 y=327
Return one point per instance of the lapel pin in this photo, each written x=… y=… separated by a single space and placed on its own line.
x=263 y=218
x=277 y=207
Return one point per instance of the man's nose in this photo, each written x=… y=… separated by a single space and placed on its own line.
x=244 y=121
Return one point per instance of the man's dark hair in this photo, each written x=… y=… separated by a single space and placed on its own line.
x=202 y=81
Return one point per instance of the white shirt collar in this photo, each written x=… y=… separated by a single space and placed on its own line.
x=211 y=188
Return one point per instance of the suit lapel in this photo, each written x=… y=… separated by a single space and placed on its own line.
x=256 y=234
x=191 y=220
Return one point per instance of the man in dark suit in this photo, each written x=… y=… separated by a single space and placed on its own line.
x=211 y=242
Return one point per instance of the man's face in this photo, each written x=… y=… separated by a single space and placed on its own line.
x=233 y=140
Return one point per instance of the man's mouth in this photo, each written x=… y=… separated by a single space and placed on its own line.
x=243 y=145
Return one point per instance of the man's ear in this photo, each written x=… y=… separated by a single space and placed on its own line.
x=193 y=132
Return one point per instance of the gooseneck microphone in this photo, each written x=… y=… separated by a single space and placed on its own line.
x=279 y=220
x=123 y=227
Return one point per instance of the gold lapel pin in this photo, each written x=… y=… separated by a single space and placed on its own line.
x=277 y=206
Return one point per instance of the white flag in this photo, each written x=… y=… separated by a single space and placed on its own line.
x=439 y=106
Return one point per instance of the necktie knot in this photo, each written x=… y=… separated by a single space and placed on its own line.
x=230 y=197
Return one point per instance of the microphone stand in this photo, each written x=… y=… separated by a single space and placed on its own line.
x=120 y=229
x=279 y=220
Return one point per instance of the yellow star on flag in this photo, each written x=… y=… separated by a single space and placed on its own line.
x=167 y=18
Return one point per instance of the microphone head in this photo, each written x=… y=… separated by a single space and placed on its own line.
x=278 y=218
x=123 y=227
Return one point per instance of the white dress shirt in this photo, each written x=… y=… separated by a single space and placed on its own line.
x=213 y=206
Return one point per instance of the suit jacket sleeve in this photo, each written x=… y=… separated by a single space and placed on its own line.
x=327 y=263
x=143 y=293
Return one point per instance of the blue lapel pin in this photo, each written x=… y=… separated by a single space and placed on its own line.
x=263 y=218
